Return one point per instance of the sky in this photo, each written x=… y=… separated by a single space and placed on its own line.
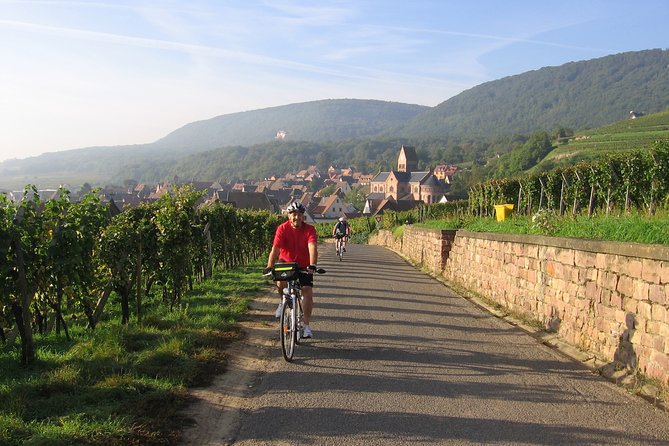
x=77 y=74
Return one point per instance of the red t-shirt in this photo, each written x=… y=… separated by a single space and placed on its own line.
x=293 y=242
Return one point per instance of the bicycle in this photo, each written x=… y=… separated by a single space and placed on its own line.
x=340 y=246
x=291 y=320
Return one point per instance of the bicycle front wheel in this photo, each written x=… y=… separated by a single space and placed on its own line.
x=299 y=316
x=287 y=333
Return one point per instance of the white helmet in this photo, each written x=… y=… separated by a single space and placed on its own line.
x=342 y=218
x=296 y=206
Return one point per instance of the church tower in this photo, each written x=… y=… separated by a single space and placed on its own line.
x=407 y=161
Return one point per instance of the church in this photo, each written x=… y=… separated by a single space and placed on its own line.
x=407 y=182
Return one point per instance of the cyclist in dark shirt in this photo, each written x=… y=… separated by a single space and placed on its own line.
x=342 y=231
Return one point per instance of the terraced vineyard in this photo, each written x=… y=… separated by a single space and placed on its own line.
x=627 y=135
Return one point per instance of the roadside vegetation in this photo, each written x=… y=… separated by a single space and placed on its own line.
x=633 y=228
x=124 y=384
x=106 y=320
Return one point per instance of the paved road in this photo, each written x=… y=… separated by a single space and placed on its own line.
x=399 y=359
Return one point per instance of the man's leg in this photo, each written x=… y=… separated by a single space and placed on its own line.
x=279 y=288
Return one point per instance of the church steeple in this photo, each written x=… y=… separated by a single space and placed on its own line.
x=407 y=161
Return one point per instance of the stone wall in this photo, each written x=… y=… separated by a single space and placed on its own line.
x=607 y=298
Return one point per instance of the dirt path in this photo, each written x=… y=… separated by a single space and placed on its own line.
x=217 y=407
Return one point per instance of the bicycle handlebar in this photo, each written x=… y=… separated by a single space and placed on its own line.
x=268 y=271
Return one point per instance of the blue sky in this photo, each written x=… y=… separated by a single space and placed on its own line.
x=85 y=73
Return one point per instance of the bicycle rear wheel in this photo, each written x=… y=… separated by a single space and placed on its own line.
x=287 y=333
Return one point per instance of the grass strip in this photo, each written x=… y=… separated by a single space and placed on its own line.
x=634 y=228
x=124 y=384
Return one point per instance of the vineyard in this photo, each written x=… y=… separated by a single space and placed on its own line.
x=61 y=261
x=623 y=136
x=636 y=180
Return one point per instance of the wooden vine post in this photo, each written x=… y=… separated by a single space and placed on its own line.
x=562 y=195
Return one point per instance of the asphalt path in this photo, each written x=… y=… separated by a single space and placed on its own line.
x=398 y=358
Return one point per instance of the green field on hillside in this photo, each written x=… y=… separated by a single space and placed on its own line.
x=627 y=135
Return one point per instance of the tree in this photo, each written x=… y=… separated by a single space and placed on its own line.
x=357 y=198
x=327 y=190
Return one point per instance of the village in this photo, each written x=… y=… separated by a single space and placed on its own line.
x=397 y=190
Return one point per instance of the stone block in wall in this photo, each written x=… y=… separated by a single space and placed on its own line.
x=645 y=310
x=664 y=273
x=626 y=286
x=658 y=294
x=641 y=289
x=585 y=259
x=630 y=304
x=616 y=300
x=632 y=267
x=650 y=271
x=607 y=279
x=658 y=312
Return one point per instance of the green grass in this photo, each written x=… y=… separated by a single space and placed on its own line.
x=636 y=228
x=123 y=385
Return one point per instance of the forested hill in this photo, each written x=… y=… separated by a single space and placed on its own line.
x=317 y=121
x=577 y=95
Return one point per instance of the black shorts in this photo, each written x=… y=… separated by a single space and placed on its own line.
x=306 y=279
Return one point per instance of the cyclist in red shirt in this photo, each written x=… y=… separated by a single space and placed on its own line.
x=295 y=241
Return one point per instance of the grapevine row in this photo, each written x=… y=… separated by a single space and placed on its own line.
x=615 y=183
x=61 y=261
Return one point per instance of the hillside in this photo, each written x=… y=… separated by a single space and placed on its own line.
x=317 y=121
x=371 y=155
x=625 y=135
x=577 y=95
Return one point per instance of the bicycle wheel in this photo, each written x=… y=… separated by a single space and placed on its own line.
x=299 y=317
x=287 y=332
x=340 y=250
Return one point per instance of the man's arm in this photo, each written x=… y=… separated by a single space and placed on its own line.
x=273 y=255
x=313 y=253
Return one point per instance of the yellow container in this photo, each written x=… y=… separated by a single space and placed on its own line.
x=502 y=211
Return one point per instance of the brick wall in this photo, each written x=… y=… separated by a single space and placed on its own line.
x=610 y=299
